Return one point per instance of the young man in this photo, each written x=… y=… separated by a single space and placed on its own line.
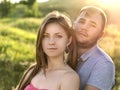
x=95 y=68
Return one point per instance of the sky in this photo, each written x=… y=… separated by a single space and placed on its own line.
x=15 y=1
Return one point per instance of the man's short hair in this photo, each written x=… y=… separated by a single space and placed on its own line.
x=94 y=9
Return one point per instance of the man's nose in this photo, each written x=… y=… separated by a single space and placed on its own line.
x=81 y=26
x=85 y=26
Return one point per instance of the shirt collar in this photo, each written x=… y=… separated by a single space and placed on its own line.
x=87 y=54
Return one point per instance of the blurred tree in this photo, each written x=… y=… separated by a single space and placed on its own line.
x=20 y=10
x=70 y=7
x=31 y=2
x=5 y=7
x=35 y=11
x=28 y=2
x=23 y=2
x=32 y=7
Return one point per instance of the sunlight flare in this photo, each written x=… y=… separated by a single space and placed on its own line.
x=109 y=3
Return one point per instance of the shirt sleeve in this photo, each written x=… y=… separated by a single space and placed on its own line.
x=102 y=76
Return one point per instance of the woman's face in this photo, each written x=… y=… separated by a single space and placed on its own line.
x=54 y=40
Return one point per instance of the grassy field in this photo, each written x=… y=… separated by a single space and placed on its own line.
x=111 y=44
x=17 y=49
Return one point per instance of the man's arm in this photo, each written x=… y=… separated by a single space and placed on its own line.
x=89 y=87
x=101 y=77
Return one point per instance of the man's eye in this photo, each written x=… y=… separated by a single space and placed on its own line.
x=81 y=21
x=93 y=25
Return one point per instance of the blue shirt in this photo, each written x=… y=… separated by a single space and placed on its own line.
x=96 y=69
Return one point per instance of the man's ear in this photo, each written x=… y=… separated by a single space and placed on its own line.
x=69 y=41
x=101 y=34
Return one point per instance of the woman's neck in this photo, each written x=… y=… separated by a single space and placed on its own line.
x=55 y=63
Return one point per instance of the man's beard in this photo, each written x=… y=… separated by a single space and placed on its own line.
x=85 y=45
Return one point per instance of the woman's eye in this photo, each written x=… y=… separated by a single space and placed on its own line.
x=45 y=36
x=59 y=36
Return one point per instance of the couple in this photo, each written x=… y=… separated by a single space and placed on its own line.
x=59 y=54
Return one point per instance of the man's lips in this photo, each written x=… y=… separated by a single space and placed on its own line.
x=82 y=33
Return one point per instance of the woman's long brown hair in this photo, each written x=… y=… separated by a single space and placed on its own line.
x=41 y=60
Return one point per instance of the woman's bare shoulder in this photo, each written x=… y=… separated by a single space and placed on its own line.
x=71 y=73
x=70 y=79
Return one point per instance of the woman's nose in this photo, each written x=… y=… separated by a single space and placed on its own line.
x=51 y=41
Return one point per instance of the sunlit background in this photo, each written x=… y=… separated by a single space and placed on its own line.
x=19 y=22
x=113 y=8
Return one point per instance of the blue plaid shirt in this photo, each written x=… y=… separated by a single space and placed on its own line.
x=96 y=69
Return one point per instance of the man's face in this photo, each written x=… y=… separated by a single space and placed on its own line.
x=88 y=29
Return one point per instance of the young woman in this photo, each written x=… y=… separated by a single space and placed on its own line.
x=55 y=57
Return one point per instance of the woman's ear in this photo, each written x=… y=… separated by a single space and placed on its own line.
x=69 y=41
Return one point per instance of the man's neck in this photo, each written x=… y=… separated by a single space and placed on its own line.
x=82 y=50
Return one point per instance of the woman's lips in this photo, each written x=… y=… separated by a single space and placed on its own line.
x=52 y=48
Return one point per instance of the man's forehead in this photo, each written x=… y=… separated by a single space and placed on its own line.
x=92 y=17
x=89 y=15
x=84 y=13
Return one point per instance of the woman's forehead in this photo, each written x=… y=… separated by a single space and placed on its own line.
x=54 y=27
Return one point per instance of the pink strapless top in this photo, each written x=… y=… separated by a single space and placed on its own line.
x=31 y=87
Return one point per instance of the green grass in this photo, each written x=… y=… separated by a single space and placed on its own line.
x=17 y=51
x=17 y=48
x=27 y=24
x=16 y=43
